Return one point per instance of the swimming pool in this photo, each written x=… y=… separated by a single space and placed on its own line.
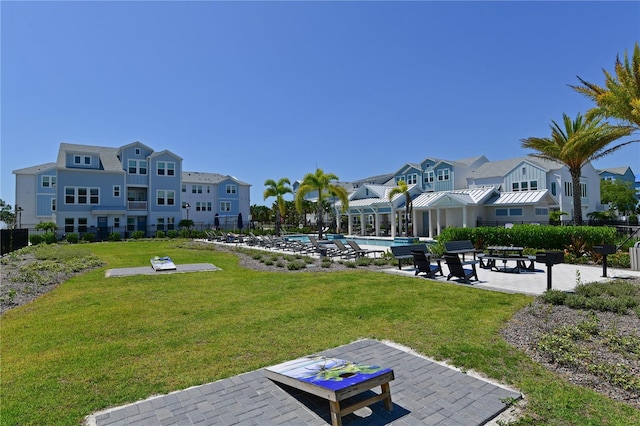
x=362 y=241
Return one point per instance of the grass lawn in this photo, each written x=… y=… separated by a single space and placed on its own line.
x=98 y=342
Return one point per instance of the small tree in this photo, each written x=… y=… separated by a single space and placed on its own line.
x=619 y=194
x=7 y=215
x=186 y=223
x=403 y=188
x=278 y=189
x=47 y=227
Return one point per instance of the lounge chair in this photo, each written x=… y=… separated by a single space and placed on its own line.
x=323 y=249
x=423 y=264
x=362 y=252
x=345 y=252
x=456 y=268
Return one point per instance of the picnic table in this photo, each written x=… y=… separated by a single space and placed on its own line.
x=505 y=254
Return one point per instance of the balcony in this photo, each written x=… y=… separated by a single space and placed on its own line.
x=102 y=209
x=137 y=205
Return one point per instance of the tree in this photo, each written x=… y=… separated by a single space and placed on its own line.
x=403 y=188
x=7 y=215
x=186 y=223
x=46 y=227
x=619 y=194
x=581 y=141
x=324 y=184
x=620 y=98
x=278 y=190
x=260 y=213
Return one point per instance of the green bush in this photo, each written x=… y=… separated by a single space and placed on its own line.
x=72 y=238
x=172 y=233
x=296 y=265
x=160 y=234
x=36 y=239
x=136 y=235
x=555 y=297
x=115 y=236
x=50 y=238
x=89 y=237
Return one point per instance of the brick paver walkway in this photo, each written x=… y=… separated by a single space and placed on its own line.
x=424 y=392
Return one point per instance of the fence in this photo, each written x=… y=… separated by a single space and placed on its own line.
x=13 y=239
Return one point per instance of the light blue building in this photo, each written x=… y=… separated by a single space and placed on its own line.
x=131 y=188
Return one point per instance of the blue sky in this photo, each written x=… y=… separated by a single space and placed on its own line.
x=265 y=90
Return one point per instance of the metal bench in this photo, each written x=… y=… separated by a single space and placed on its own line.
x=461 y=247
x=404 y=252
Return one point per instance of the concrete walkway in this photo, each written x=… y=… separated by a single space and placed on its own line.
x=424 y=392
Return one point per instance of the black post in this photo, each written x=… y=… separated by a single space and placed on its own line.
x=549 y=268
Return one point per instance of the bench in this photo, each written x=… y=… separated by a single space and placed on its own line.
x=520 y=263
x=404 y=252
x=461 y=247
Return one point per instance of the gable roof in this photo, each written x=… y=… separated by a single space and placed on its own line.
x=34 y=170
x=501 y=168
x=522 y=198
x=210 y=178
x=458 y=197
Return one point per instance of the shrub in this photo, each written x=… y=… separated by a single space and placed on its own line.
x=36 y=239
x=115 y=236
x=296 y=265
x=136 y=235
x=555 y=297
x=72 y=238
x=326 y=263
x=89 y=237
x=172 y=233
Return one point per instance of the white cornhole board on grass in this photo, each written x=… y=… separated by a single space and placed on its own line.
x=162 y=264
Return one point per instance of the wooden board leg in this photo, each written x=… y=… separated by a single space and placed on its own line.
x=336 y=418
x=386 y=389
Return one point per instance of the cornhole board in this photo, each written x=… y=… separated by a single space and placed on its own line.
x=335 y=380
x=162 y=264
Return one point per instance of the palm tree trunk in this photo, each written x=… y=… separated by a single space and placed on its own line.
x=319 y=220
x=577 y=200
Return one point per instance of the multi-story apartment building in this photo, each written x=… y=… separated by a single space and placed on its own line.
x=126 y=189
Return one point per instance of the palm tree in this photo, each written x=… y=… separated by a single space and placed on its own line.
x=324 y=184
x=581 y=141
x=278 y=190
x=620 y=98
x=403 y=188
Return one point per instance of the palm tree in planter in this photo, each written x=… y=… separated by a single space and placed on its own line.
x=581 y=141
x=326 y=186
x=278 y=189
x=403 y=188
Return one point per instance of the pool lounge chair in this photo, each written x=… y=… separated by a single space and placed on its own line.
x=423 y=264
x=362 y=252
x=345 y=252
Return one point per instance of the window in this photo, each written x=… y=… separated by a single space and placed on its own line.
x=515 y=212
x=48 y=181
x=502 y=212
x=82 y=224
x=443 y=174
x=76 y=159
x=524 y=186
x=208 y=189
x=87 y=160
x=171 y=223
x=138 y=167
x=81 y=159
x=165 y=168
x=69 y=195
x=184 y=188
x=131 y=224
x=160 y=224
x=198 y=206
x=515 y=186
x=412 y=179
x=68 y=224
x=568 y=189
x=524 y=171
x=209 y=206
x=137 y=151
x=541 y=211
x=94 y=196
x=82 y=195
x=165 y=198
x=225 y=206
x=429 y=176
x=193 y=189
x=583 y=190
x=554 y=191
x=116 y=222
x=53 y=204
x=199 y=189
x=116 y=191
x=231 y=189
x=398 y=179
x=533 y=185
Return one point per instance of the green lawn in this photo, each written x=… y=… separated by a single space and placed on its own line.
x=98 y=342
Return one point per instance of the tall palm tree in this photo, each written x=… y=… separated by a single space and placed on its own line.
x=326 y=187
x=620 y=98
x=581 y=141
x=278 y=190
x=403 y=188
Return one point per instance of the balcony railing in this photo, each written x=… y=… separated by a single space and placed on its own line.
x=137 y=205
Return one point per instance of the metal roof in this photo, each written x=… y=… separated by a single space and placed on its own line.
x=461 y=196
x=522 y=198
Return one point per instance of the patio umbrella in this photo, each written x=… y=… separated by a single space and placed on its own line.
x=240 y=223
x=216 y=222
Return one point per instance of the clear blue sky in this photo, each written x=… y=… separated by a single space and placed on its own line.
x=264 y=90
